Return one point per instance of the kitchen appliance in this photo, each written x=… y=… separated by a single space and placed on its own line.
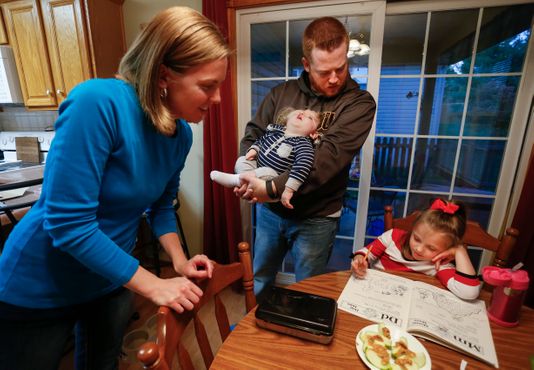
x=508 y=294
x=303 y=315
x=10 y=92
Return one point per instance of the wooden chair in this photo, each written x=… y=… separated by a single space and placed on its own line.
x=171 y=325
x=475 y=235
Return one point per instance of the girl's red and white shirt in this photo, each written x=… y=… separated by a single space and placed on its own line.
x=385 y=254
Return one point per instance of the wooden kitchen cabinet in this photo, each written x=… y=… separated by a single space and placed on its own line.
x=60 y=43
x=3 y=34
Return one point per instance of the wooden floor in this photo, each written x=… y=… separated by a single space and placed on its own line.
x=235 y=305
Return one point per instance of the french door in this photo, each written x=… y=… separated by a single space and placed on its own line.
x=449 y=83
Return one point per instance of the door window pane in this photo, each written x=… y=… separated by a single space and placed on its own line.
x=478 y=209
x=397 y=105
x=503 y=39
x=433 y=164
x=362 y=81
x=340 y=257
x=442 y=106
x=359 y=28
x=491 y=104
x=450 y=41
x=375 y=215
x=296 y=30
x=419 y=202
x=404 y=37
x=348 y=214
x=259 y=90
x=354 y=172
x=479 y=166
x=391 y=162
x=268 y=49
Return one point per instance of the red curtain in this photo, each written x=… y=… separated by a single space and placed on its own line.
x=222 y=219
x=524 y=249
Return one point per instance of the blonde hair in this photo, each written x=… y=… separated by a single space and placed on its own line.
x=326 y=33
x=451 y=224
x=179 y=38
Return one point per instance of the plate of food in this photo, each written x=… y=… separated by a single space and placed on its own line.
x=384 y=347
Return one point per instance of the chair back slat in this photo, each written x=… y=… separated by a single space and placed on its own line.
x=203 y=341
x=222 y=318
x=184 y=359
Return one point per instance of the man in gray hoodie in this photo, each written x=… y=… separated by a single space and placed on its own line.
x=308 y=230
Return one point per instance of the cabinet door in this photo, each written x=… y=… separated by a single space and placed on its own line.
x=65 y=33
x=3 y=34
x=25 y=32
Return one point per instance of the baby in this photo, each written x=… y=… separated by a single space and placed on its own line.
x=283 y=147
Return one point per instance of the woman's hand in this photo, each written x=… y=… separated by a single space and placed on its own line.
x=359 y=266
x=178 y=293
x=199 y=267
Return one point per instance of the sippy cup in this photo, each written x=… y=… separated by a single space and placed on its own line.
x=508 y=294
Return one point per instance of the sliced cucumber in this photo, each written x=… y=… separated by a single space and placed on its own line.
x=378 y=356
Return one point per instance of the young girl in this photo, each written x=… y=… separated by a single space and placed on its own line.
x=435 y=241
x=286 y=146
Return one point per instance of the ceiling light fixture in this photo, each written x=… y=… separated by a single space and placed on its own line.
x=357 y=46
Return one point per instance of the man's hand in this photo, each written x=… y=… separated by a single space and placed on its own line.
x=253 y=189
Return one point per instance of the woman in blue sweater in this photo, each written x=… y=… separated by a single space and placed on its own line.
x=118 y=151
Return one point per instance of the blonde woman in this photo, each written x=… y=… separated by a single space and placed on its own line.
x=119 y=148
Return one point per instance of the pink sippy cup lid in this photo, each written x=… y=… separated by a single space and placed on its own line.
x=517 y=280
x=496 y=276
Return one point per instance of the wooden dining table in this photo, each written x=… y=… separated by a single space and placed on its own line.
x=252 y=347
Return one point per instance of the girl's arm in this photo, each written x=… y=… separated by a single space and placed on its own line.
x=462 y=280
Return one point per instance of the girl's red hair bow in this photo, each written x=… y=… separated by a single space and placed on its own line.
x=446 y=207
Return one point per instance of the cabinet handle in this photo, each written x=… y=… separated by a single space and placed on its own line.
x=59 y=92
x=48 y=92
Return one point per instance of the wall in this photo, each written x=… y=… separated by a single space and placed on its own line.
x=137 y=12
x=191 y=211
x=18 y=118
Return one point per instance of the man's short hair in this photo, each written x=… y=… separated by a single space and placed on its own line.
x=326 y=33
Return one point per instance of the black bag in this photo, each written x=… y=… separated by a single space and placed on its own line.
x=302 y=315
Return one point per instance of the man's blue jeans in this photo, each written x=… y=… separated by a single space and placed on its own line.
x=309 y=241
x=33 y=339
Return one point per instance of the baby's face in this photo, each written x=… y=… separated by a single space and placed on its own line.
x=302 y=122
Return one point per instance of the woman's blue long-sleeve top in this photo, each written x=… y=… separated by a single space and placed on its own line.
x=106 y=166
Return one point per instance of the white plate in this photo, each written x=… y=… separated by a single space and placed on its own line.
x=396 y=334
